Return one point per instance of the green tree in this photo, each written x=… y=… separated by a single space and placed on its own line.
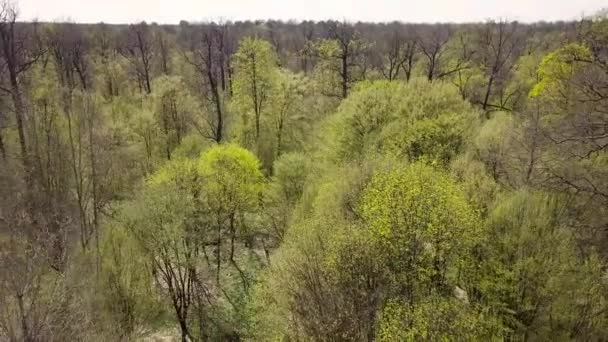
x=175 y=110
x=413 y=120
x=342 y=60
x=425 y=226
x=128 y=300
x=284 y=192
x=536 y=280
x=288 y=119
x=160 y=220
x=255 y=66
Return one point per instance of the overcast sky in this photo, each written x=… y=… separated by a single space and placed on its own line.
x=172 y=11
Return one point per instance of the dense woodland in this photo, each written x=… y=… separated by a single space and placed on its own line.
x=309 y=181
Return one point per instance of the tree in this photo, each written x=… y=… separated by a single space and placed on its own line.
x=290 y=171
x=174 y=108
x=138 y=49
x=539 y=284
x=288 y=118
x=500 y=44
x=425 y=226
x=18 y=54
x=208 y=56
x=324 y=279
x=163 y=46
x=255 y=68
x=128 y=301
x=35 y=295
x=414 y=120
x=435 y=43
x=401 y=54
x=343 y=53
x=232 y=182
x=70 y=48
x=570 y=99
x=160 y=223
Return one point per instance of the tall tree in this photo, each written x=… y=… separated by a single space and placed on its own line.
x=19 y=53
x=500 y=44
x=344 y=54
x=207 y=55
x=400 y=53
x=138 y=48
x=255 y=65
x=442 y=58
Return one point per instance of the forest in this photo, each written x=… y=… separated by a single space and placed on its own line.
x=303 y=181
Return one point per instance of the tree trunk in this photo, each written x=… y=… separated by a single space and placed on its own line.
x=25 y=331
x=19 y=118
x=184 y=329
x=256 y=102
x=218 y=106
x=2 y=148
x=166 y=131
x=486 y=98
x=345 y=75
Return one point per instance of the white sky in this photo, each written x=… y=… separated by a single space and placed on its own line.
x=172 y=11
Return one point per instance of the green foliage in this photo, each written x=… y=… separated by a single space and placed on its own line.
x=479 y=187
x=128 y=300
x=174 y=109
x=492 y=142
x=525 y=77
x=284 y=191
x=172 y=219
x=270 y=101
x=335 y=208
x=535 y=279
x=289 y=178
x=326 y=72
x=560 y=66
x=255 y=67
x=435 y=319
x=424 y=224
x=341 y=61
x=307 y=290
x=339 y=262
x=191 y=147
x=231 y=179
x=290 y=113
x=181 y=173
x=413 y=120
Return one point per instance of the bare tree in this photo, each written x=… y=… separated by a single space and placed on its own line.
x=2 y=126
x=351 y=54
x=104 y=44
x=500 y=43
x=163 y=48
x=138 y=49
x=400 y=54
x=434 y=44
x=35 y=303
x=208 y=57
x=70 y=49
x=18 y=55
x=303 y=42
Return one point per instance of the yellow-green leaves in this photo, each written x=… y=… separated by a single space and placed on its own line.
x=231 y=177
x=559 y=66
x=434 y=319
x=422 y=219
x=534 y=273
x=181 y=172
x=415 y=120
x=255 y=67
